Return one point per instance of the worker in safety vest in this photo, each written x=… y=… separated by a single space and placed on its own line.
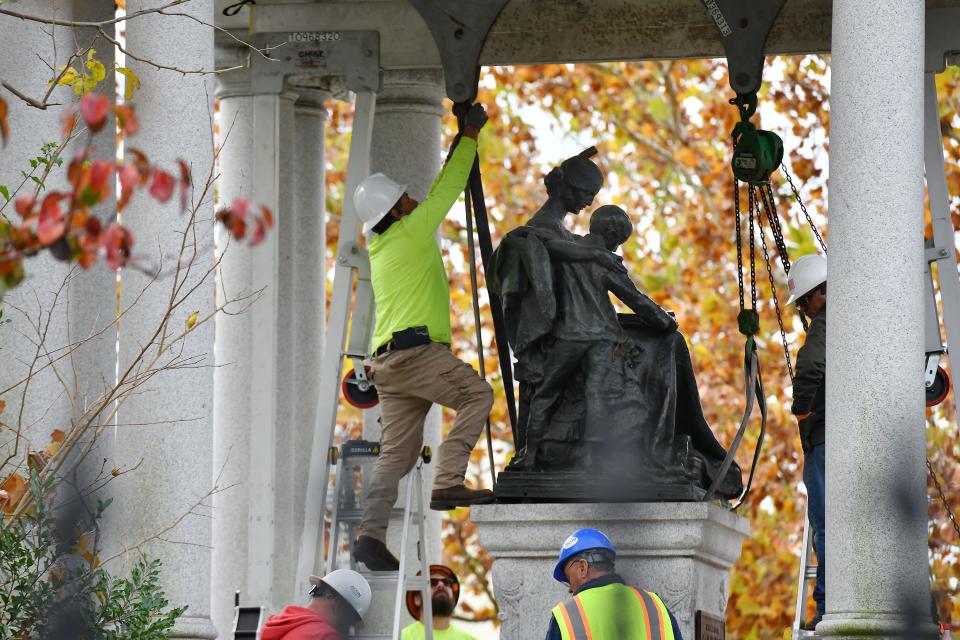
x=807 y=282
x=444 y=595
x=603 y=607
x=413 y=367
x=338 y=601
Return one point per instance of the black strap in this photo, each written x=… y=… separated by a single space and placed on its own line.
x=496 y=306
x=753 y=383
x=479 y=208
x=234 y=9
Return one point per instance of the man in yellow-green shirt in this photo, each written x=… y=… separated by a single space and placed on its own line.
x=413 y=367
x=444 y=595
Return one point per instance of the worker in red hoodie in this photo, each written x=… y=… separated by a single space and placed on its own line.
x=338 y=601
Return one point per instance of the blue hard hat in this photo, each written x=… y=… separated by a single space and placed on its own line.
x=582 y=540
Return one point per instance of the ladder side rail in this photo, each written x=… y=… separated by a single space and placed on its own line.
x=426 y=616
x=335 y=516
x=364 y=311
x=401 y=574
x=804 y=582
x=358 y=166
x=943 y=232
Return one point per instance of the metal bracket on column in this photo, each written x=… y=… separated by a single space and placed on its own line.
x=355 y=55
x=943 y=39
x=460 y=29
x=744 y=27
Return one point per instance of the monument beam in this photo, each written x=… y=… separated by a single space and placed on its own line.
x=535 y=32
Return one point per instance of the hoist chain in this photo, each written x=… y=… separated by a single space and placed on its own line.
x=736 y=210
x=753 y=262
x=773 y=216
x=773 y=285
x=943 y=498
x=796 y=195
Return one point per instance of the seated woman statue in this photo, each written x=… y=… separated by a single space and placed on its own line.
x=598 y=390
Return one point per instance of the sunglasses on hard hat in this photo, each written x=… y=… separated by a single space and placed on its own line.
x=447 y=582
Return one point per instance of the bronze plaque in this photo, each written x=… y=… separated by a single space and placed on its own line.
x=709 y=627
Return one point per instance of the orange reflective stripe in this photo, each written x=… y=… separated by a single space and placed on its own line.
x=566 y=619
x=660 y=616
x=664 y=616
x=646 y=612
x=586 y=623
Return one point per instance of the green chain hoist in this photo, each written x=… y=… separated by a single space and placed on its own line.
x=756 y=153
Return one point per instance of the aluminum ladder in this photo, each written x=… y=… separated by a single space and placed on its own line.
x=808 y=572
x=354 y=463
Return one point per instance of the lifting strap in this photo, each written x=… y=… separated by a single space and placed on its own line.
x=476 y=212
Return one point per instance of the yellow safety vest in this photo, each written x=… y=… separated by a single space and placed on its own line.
x=614 y=612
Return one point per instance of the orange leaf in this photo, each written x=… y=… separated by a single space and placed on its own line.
x=4 y=127
x=15 y=486
x=126 y=119
x=184 y=183
x=94 y=110
x=118 y=242
x=162 y=186
x=58 y=435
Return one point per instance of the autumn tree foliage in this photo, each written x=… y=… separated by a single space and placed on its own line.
x=663 y=131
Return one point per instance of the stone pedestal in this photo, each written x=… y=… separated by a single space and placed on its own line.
x=682 y=551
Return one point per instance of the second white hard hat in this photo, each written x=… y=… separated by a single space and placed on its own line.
x=806 y=274
x=375 y=196
x=351 y=586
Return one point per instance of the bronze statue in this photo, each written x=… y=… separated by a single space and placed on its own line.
x=607 y=397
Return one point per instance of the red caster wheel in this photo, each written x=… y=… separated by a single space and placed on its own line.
x=360 y=393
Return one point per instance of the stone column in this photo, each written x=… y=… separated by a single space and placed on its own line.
x=86 y=304
x=300 y=316
x=681 y=551
x=877 y=575
x=231 y=380
x=260 y=389
x=173 y=442
x=308 y=303
x=406 y=147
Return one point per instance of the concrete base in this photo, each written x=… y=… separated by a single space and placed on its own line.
x=682 y=551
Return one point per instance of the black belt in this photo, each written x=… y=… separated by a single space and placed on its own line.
x=387 y=347
x=384 y=348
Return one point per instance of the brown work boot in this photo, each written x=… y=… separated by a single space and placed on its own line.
x=374 y=554
x=459 y=496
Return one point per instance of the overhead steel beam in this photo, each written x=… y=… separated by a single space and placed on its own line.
x=551 y=31
x=743 y=28
x=459 y=30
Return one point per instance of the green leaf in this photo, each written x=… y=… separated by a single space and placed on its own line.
x=4 y=192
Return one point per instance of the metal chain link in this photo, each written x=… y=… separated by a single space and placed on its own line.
x=773 y=216
x=753 y=265
x=943 y=498
x=773 y=291
x=796 y=195
x=736 y=210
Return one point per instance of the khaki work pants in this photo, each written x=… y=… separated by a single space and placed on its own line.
x=409 y=382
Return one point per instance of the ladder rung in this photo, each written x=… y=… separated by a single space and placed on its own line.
x=416 y=583
x=380 y=578
x=810 y=572
x=356 y=515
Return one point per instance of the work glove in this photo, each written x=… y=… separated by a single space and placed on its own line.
x=476 y=117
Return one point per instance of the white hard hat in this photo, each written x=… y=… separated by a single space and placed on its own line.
x=351 y=586
x=375 y=196
x=806 y=274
